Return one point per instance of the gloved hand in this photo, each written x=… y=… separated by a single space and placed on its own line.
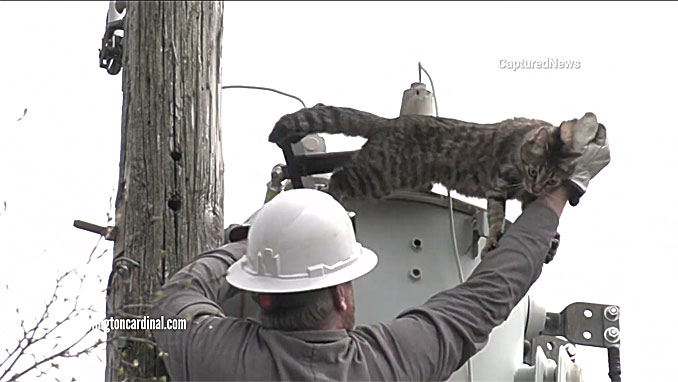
x=595 y=156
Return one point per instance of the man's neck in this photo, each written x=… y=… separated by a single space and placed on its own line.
x=334 y=322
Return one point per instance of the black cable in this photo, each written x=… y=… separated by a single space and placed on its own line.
x=614 y=364
x=268 y=89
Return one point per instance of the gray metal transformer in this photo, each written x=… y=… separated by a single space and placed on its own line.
x=411 y=234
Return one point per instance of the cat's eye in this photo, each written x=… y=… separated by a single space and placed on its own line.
x=552 y=182
x=532 y=172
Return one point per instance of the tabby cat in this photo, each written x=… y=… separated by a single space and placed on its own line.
x=514 y=159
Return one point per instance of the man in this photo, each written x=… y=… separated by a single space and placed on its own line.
x=299 y=260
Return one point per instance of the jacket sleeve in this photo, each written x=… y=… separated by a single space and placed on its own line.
x=199 y=289
x=431 y=341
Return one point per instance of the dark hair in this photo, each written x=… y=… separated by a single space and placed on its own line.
x=298 y=311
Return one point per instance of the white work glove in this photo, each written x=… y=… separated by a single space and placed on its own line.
x=590 y=137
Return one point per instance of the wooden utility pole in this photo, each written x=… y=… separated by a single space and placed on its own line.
x=169 y=206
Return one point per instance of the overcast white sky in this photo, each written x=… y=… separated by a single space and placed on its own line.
x=60 y=162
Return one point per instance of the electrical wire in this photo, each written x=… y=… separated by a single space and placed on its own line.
x=433 y=88
x=264 y=88
x=457 y=257
x=454 y=238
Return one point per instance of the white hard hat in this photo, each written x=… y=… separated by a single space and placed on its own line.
x=301 y=240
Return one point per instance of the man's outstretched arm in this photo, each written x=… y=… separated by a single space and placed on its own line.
x=197 y=290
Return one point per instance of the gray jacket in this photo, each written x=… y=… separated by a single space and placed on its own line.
x=427 y=342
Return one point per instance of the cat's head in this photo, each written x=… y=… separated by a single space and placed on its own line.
x=546 y=162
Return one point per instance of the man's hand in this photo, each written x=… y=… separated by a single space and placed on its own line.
x=596 y=155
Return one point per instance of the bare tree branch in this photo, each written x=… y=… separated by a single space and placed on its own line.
x=42 y=330
x=64 y=353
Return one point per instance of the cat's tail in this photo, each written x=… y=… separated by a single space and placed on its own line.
x=324 y=119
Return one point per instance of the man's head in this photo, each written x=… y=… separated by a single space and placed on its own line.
x=321 y=309
x=301 y=258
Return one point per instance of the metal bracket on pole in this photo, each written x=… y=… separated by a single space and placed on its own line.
x=109 y=233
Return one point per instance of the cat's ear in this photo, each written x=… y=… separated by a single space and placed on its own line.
x=540 y=137
x=566 y=132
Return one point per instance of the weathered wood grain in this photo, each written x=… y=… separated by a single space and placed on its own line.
x=169 y=206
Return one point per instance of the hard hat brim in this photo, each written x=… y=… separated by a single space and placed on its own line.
x=238 y=277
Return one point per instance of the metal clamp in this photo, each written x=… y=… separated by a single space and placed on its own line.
x=110 y=54
x=585 y=324
x=299 y=166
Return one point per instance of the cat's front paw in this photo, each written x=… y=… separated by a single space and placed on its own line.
x=490 y=244
x=286 y=130
x=555 y=242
